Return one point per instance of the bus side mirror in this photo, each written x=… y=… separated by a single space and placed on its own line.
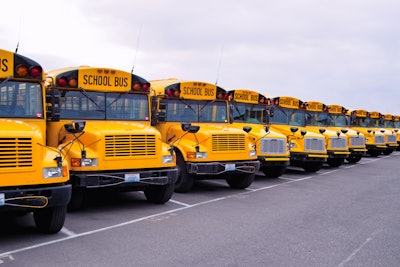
x=53 y=97
x=271 y=111
x=77 y=127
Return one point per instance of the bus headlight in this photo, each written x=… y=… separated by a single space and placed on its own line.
x=86 y=162
x=54 y=172
x=292 y=145
x=196 y=155
x=167 y=159
x=253 y=153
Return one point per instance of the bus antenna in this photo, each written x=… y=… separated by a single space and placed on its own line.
x=137 y=47
x=219 y=65
x=19 y=34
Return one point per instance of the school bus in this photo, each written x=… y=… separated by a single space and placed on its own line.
x=335 y=140
x=396 y=125
x=192 y=116
x=107 y=111
x=336 y=118
x=378 y=121
x=251 y=109
x=33 y=176
x=391 y=123
x=307 y=149
x=360 y=120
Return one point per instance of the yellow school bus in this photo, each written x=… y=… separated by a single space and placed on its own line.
x=193 y=118
x=336 y=119
x=396 y=125
x=33 y=177
x=107 y=113
x=307 y=149
x=336 y=141
x=360 y=120
x=391 y=123
x=251 y=109
x=390 y=136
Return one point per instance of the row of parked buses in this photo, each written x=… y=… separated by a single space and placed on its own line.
x=75 y=129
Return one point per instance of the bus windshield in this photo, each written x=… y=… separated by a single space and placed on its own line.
x=251 y=113
x=289 y=117
x=363 y=122
x=21 y=100
x=104 y=106
x=196 y=111
x=338 y=120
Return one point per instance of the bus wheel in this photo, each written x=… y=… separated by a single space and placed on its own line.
x=274 y=171
x=387 y=151
x=240 y=181
x=374 y=153
x=335 y=162
x=77 y=198
x=354 y=158
x=159 y=194
x=185 y=181
x=50 y=220
x=312 y=166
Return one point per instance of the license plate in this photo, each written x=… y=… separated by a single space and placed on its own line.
x=229 y=167
x=2 y=199
x=132 y=177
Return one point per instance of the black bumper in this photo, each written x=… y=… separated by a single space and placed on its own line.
x=275 y=162
x=216 y=168
x=305 y=157
x=32 y=198
x=137 y=178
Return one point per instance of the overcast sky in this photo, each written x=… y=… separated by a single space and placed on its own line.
x=333 y=51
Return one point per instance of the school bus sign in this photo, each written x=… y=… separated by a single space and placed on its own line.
x=105 y=79
x=6 y=63
x=198 y=90
x=245 y=96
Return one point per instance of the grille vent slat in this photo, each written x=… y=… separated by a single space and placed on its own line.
x=273 y=146
x=228 y=142
x=130 y=145
x=315 y=144
x=16 y=152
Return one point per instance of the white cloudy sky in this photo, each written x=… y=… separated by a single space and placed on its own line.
x=334 y=51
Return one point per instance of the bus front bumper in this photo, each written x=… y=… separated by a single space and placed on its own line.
x=29 y=198
x=216 y=168
x=137 y=178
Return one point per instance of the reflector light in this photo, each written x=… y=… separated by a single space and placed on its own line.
x=73 y=82
x=145 y=87
x=35 y=71
x=137 y=86
x=177 y=93
x=22 y=70
x=170 y=92
x=276 y=102
x=62 y=81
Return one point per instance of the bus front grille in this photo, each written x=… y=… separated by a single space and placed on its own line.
x=16 y=152
x=228 y=142
x=314 y=144
x=130 y=145
x=391 y=138
x=273 y=146
x=338 y=142
x=379 y=139
x=357 y=141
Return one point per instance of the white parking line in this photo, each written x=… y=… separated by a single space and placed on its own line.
x=179 y=203
x=67 y=232
x=349 y=258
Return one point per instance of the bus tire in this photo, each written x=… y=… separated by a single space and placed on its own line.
x=354 y=158
x=374 y=153
x=240 y=181
x=185 y=181
x=159 y=194
x=336 y=162
x=275 y=171
x=77 y=199
x=312 y=166
x=50 y=220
